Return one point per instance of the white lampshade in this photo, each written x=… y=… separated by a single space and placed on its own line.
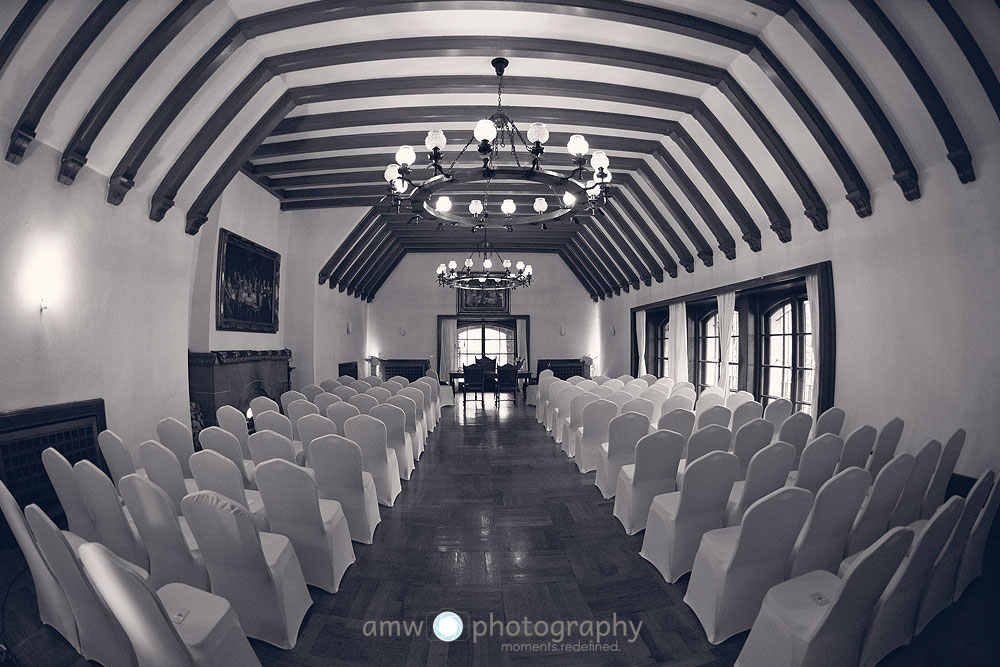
x=508 y=207
x=487 y=263
x=443 y=204
x=399 y=185
x=391 y=173
x=476 y=206
x=538 y=132
x=441 y=269
x=599 y=160
x=541 y=205
x=436 y=139
x=468 y=262
x=452 y=265
x=506 y=264
x=485 y=130
x=576 y=145
x=528 y=270
x=519 y=266
x=569 y=199
x=482 y=280
x=406 y=156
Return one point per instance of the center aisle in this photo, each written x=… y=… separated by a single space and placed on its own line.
x=496 y=519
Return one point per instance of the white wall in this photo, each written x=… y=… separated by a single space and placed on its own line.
x=917 y=306
x=117 y=286
x=411 y=299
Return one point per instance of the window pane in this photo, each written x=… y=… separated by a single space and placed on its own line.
x=776 y=356
x=806 y=317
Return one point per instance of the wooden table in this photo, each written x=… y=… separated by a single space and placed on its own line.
x=522 y=376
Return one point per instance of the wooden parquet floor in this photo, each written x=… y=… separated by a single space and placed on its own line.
x=496 y=520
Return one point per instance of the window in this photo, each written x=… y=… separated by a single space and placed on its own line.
x=488 y=339
x=788 y=366
x=710 y=356
x=661 y=350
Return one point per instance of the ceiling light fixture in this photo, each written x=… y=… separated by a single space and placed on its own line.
x=496 y=273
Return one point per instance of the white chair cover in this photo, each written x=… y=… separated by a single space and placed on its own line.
x=744 y=413
x=261 y=404
x=911 y=500
x=600 y=379
x=561 y=414
x=857 y=447
x=392 y=386
x=378 y=459
x=418 y=399
x=208 y=632
x=795 y=431
x=678 y=402
x=767 y=472
x=752 y=437
x=648 y=378
x=113 y=450
x=714 y=389
x=885 y=446
x=163 y=469
x=719 y=415
x=225 y=443
x=735 y=567
x=325 y=400
x=657 y=398
x=373 y=380
x=267 y=445
x=400 y=379
x=359 y=386
x=873 y=519
x=435 y=386
x=541 y=393
x=708 y=399
x=640 y=405
x=409 y=408
x=625 y=379
x=296 y=410
x=894 y=618
x=678 y=420
x=634 y=388
x=329 y=385
x=777 y=411
x=677 y=520
x=173 y=553
x=101 y=637
x=339 y=476
x=620 y=398
x=574 y=421
x=396 y=436
x=311 y=391
x=711 y=438
x=429 y=405
x=312 y=427
x=381 y=394
x=105 y=507
x=940 y=590
x=819 y=460
x=653 y=473
x=614 y=383
x=316 y=528
x=972 y=557
x=818 y=619
x=587 y=385
x=214 y=472
x=339 y=413
x=177 y=437
x=258 y=573
x=824 y=537
x=551 y=400
x=942 y=473
x=346 y=379
x=738 y=398
x=575 y=379
x=603 y=391
x=596 y=417
x=831 y=421
x=67 y=489
x=363 y=402
x=235 y=422
x=624 y=432
x=344 y=393
x=53 y=607
x=288 y=397
x=279 y=423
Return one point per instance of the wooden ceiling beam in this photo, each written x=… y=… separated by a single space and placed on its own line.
x=596 y=249
x=602 y=235
x=627 y=253
x=18 y=28
x=701 y=247
x=628 y=228
x=367 y=252
x=389 y=268
x=597 y=270
x=338 y=202
x=578 y=274
x=380 y=247
x=335 y=266
x=384 y=266
x=626 y=222
x=970 y=48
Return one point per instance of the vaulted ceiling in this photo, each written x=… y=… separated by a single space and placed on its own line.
x=730 y=124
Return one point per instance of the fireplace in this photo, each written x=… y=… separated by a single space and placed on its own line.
x=235 y=377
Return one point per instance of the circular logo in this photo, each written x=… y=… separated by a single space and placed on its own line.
x=447 y=626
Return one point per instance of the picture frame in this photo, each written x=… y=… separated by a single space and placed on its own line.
x=247 y=281
x=492 y=301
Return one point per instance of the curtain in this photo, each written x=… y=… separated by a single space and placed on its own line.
x=812 y=294
x=678 y=342
x=640 y=340
x=448 y=337
x=727 y=302
x=521 y=334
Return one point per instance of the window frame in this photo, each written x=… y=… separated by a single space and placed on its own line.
x=510 y=325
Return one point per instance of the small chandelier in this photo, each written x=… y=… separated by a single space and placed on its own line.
x=560 y=195
x=495 y=274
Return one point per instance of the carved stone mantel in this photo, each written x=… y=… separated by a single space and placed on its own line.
x=234 y=377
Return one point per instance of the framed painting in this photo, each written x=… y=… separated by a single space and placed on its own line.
x=476 y=301
x=246 y=285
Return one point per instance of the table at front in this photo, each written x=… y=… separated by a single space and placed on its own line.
x=522 y=377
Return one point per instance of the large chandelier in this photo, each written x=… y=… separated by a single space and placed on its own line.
x=558 y=196
x=498 y=274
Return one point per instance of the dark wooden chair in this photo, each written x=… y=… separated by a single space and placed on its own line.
x=506 y=382
x=490 y=370
x=473 y=380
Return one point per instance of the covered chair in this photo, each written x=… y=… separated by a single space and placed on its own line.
x=824 y=536
x=409 y=408
x=795 y=431
x=115 y=454
x=587 y=385
x=574 y=421
x=175 y=625
x=396 y=436
x=678 y=420
x=885 y=446
x=325 y=400
x=857 y=448
x=392 y=386
x=235 y=422
x=346 y=379
x=372 y=436
x=381 y=394
x=894 y=619
x=53 y=607
x=296 y=410
x=337 y=462
x=708 y=400
x=624 y=432
x=818 y=619
x=625 y=379
x=173 y=552
x=767 y=472
x=316 y=528
x=260 y=404
x=435 y=387
x=677 y=520
x=312 y=427
x=942 y=473
x=712 y=438
x=258 y=573
x=279 y=423
x=975 y=547
x=819 y=460
x=738 y=398
x=177 y=437
x=225 y=443
x=873 y=519
x=777 y=411
x=640 y=405
x=560 y=417
x=736 y=566
x=339 y=413
x=600 y=379
x=635 y=388
x=329 y=385
x=552 y=401
x=575 y=379
x=744 y=413
x=288 y=397
x=648 y=378
x=105 y=507
x=831 y=421
x=619 y=398
x=344 y=393
x=653 y=473
x=911 y=500
x=214 y=472
x=430 y=406
x=719 y=415
x=363 y=402
x=603 y=392
x=400 y=379
x=267 y=445
x=417 y=397
x=657 y=398
x=596 y=418
x=373 y=380
x=545 y=378
x=67 y=490
x=101 y=637
x=163 y=469
x=752 y=437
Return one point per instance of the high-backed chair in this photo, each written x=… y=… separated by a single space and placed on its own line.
x=767 y=472
x=400 y=379
x=972 y=556
x=119 y=460
x=795 y=431
x=225 y=443
x=330 y=385
x=596 y=418
x=381 y=394
x=678 y=520
x=173 y=553
x=430 y=416
x=344 y=393
x=311 y=391
x=258 y=573
x=359 y=386
x=67 y=490
x=911 y=500
x=818 y=462
x=378 y=459
x=603 y=391
x=573 y=423
x=738 y=398
x=684 y=392
x=677 y=402
x=296 y=410
x=288 y=397
x=857 y=448
x=373 y=380
x=752 y=437
x=339 y=413
x=873 y=519
x=312 y=427
x=648 y=378
x=397 y=438
x=824 y=536
x=736 y=566
x=744 y=413
x=708 y=399
x=261 y=404
x=635 y=387
x=235 y=422
x=266 y=445
x=279 y=423
x=678 y=420
x=409 y=408
x=561 y=412
x=164 y=470
x=657 y=398
x=624 y=432
x=346 y=379
x=435 y=396
x=625 y=379
x=392 y=386
x=545 y=378
x=640 y=405
x=885 y=446
x=600 y=379
x=177 y=437
x=340 y=476
x=831 y=421
x=53 y=607
x=418 y=399
x=316 y=528
x=325 y=400
x=552 y=401
x=942 y=473
x=719 y=415
x=214 y=472
x=105 y=507
x=620 y=398
x=473 y=380
x=587 y=385
x=653 y=473
x=712 y=438
x=777 y=411
x=575 y=379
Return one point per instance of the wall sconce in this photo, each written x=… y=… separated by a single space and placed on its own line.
x=562 y=330
x=348 y=328
x=402 y=331
x=612 y=330
x=42 y=306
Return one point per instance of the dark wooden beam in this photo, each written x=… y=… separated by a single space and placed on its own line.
x=958 y=151
x=684 y=221
x=977 y=60
x=363 y=161
x=580 y=277
x=654 y=217
x=378 y=269
x=628 y=227
x=366 y=251
x=597 y=271
x=595 y=246
x=335 y=266
x=24 y=129
x=377 y=285
x=75 y=154
x=18 y=28
x=627 y=253
x=594 y=287
x=367 y=262
x=340 y=202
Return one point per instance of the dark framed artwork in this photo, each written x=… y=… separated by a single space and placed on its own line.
x=476 y=301
x=246 y=285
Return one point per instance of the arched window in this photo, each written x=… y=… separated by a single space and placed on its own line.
x=788 y=365
x=486 y=339
x=661 y=348
x=710 y=356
